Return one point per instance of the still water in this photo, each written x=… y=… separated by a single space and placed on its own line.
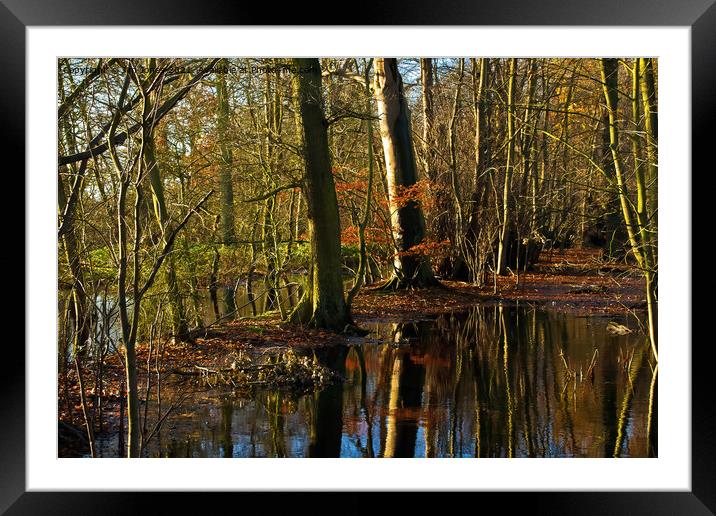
x=497 y=381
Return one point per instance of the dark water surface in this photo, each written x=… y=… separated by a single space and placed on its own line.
x=494 y=382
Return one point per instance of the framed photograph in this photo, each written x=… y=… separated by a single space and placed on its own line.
x=457 y=237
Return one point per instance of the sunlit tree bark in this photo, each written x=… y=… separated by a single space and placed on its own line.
x=634 y=217
x=411 y=268
x=506 y=222
x=649 y=101
x=426 y=80
x=472 y=253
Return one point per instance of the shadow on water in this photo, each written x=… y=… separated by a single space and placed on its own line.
x=497 y=381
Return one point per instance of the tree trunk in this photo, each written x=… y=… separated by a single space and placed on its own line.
x=614 y=231
x=649 y=101
x=439 y=187
x=472 y=254
x=79 y=297
x=455 y=265
x=363 y=254
x=411 y=268
x=429 y=154
x=609 y=80
x=227 y=189
x=650 y=187
x=176 y=303
x=325 y=293
x=505 y=236
x=634 y=217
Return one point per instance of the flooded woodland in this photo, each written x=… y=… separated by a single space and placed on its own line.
x=357 y=257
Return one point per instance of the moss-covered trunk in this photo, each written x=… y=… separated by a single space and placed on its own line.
x=227 y=190
x=176 y=302
x=325 y=293
x=158 y=203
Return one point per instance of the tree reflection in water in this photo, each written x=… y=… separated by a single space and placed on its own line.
x=494 y=382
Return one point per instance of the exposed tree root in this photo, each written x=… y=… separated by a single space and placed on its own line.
x=303 y=314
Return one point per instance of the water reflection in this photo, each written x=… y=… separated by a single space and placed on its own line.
x=494 y=382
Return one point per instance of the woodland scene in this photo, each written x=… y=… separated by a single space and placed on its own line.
x=357 y=257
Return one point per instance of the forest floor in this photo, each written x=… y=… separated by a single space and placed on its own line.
x=572 y=280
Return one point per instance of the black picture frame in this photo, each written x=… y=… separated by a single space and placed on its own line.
x=700 y=15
